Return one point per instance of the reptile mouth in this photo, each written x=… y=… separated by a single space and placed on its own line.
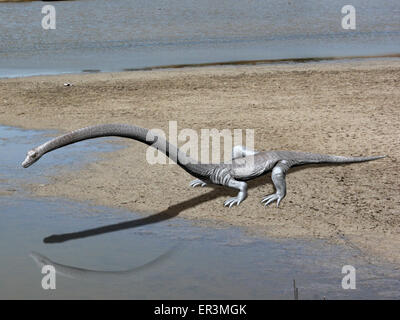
x=25 y=163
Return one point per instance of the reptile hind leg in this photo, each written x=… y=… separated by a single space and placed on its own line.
x=242 y=187
x=278 y=178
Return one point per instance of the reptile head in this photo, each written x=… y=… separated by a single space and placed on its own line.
x=31 y=157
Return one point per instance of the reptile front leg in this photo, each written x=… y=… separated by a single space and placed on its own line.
x=278 y=178
x=242 y=187
x=220 y=175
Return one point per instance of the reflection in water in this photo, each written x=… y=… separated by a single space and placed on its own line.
x=99 y=275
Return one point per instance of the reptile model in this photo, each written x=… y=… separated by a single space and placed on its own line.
x=246 y=164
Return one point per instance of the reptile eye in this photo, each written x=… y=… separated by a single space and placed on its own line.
x=33 y=155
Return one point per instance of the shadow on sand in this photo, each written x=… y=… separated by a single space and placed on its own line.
x=167 y=214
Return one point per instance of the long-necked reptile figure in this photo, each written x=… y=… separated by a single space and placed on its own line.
x=246 y=164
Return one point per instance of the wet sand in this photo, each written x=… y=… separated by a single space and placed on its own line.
x=344 y=108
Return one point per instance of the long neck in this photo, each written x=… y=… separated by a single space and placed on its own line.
x=126 y=131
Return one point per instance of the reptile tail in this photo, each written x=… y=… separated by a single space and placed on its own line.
x=341 y=159
x=305 y=158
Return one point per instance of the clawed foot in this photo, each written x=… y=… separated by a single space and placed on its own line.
x=197 y=182
x=271 y=198
x=232 y=201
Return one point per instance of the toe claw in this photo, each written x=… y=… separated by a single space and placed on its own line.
x=271 y=198
x=232 y=201
x=196 y=183
x=268 y=202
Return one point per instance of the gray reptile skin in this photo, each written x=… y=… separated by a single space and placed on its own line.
x=246 y=164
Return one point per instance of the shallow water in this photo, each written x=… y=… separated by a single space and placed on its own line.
x=121 y=34
x=203 y=263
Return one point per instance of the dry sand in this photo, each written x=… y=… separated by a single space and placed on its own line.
x=346 y=108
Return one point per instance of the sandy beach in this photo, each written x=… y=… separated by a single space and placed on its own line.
x=343 y=108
